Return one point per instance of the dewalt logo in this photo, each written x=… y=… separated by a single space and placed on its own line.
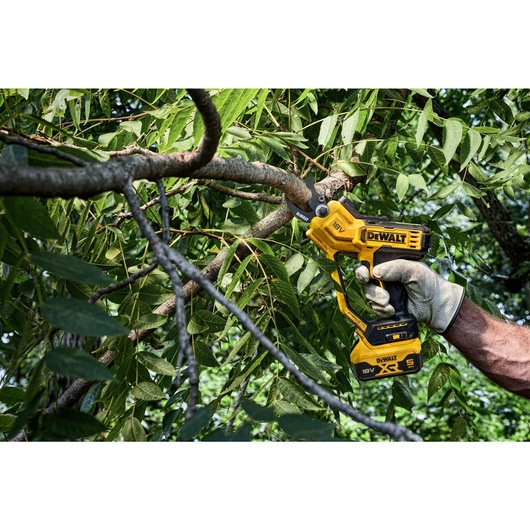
x=390 y=237
x=386 y=359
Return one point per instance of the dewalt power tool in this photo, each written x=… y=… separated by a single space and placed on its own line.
x=386 y=347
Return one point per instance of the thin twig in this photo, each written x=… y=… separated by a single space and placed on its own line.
x=96 y=295
x=45 y=149
x=262 y=197
x=161 y=251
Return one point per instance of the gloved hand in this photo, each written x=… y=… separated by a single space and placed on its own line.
x=432 y=299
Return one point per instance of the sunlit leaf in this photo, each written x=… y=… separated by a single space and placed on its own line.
x=402 y=186
x=133 y=431
x=147 y=391
x=452 y=135
x=439 y=377
x=157 y=364
x=470 y=146
x=326 y=129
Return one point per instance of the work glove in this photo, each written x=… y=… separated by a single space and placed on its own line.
x=431 y=299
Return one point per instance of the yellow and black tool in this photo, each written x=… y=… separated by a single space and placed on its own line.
x=386 y=347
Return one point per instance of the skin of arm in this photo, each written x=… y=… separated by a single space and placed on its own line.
x=498 y=349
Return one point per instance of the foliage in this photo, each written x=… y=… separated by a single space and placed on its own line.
x=426 y=157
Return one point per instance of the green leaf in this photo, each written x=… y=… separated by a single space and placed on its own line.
x=133 y=431
x=294 y=393
x=470 y=146
x=311 y=364
x=147 y=391
x=326 y=129
x=6 y=422
x=105 y=139
x=204 y=354
x=301 y=427
x=294 y=263
x=275 y=266
x=72 y=362
x=306 y=276
x=198 y=422
x=70 y=424
x=351 y=169
x=157 y=364
x=348 y=128
x=134 y=127
x=71 y=268
x=149 y=321
x=286 y=295
x=11 y=395
x=248 y=293
x=439 y=377
x=258 y=412
x=230 y=103
x=402 y=186
x=443 y=211
x=31 y=216
x=203 y=321
x=418 y=181
x=3 y=240
x=275 y=145
x=452 y=134
x=401 y=395
x=91 y=397
x=81 y=318
x=423 y=120
x=422 y=92
x=445 y=191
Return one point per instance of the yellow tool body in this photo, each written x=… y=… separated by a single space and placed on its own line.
x=386 y=347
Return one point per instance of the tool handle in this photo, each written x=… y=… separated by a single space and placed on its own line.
x=398 y=299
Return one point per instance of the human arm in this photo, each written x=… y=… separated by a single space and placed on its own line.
x=498 y=349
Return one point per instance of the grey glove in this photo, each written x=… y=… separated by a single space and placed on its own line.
x=432 y=299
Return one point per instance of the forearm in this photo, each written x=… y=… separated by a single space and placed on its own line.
x=498 y=349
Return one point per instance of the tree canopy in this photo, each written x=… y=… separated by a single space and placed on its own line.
x=154 y=285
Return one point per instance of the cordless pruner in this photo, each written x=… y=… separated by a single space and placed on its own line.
x=385 y=347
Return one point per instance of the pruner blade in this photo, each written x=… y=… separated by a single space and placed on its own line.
x=317 y=206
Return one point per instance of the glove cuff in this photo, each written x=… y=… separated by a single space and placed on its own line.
x=457 y=297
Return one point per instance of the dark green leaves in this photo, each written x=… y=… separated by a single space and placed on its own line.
x=258 y=412
x=301 y=427
x=197 y=423
x=81 y=318
x=72 y=362
x=70 y=424
x=71 y=268
x=31 y=216
x=203 y=321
